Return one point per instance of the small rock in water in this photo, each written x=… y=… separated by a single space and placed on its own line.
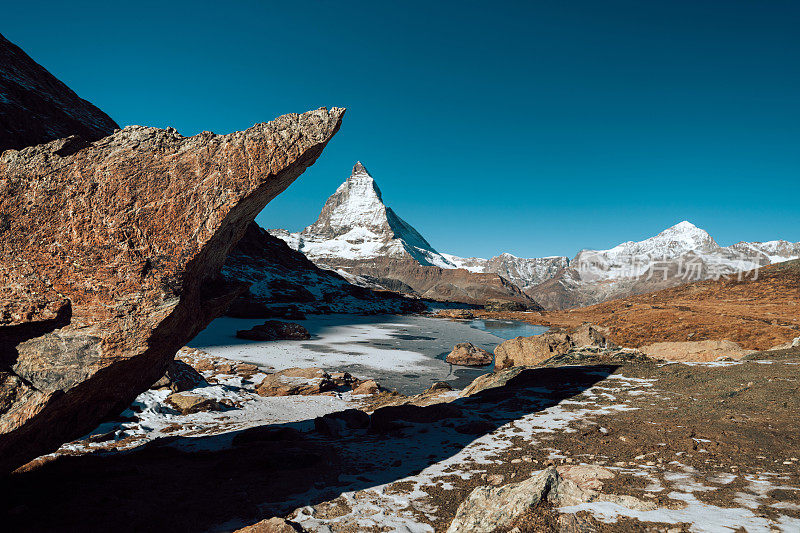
x=273 y=330
x=467 y=354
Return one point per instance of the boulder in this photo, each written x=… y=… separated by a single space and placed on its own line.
x=110 y=259
x=275 y=330
x=180 y=377
x=467 y=354
x=528 y=351
x=695 y=350
x=367 y=387
x=491 y=508
x=296 y=381
x=495 y=380
x=188 y=403
x=271 y=525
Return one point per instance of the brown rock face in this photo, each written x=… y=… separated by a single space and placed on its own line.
x=110 y=258
x=36 y=108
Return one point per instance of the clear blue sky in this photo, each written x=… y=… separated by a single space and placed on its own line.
x=537 y=128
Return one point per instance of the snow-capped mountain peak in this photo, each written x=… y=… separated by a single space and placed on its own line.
x=355 y=224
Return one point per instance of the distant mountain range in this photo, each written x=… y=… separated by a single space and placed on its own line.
x=364 y=240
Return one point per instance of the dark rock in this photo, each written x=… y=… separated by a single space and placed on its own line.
x=274 y=330
x=333 y=424
x=36 y=108
x=277 y=273
x=393 y=416
x=265 y=434
x=180 y=377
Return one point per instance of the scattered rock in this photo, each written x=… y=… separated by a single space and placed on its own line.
x=188 y=403
x=367 y=387
x=274 y=330
x=491 y=508
x=272 y=525
x=180 y=377
x=467 y=354
x=587 y=477
x=344 y=379
x=140 y=269
x=296 y=381
x=695 y=350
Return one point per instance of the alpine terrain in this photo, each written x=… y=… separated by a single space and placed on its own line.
x=678 y=255
x=367 y=242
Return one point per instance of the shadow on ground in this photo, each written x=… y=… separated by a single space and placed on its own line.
x=241 y=477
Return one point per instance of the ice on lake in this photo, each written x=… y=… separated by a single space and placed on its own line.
x=402 y=352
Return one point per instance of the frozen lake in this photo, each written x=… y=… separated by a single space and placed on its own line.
x=401 y=352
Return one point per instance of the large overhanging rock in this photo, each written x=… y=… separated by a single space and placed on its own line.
x=110 y=255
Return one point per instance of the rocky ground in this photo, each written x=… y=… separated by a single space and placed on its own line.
x=654 y=447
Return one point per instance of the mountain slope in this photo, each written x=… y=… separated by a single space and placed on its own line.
x=279 y=275
x=357 y=234
x=36 y=108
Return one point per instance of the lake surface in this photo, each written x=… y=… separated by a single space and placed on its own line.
x=401 y=352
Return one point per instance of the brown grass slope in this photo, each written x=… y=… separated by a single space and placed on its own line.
x=759 y=311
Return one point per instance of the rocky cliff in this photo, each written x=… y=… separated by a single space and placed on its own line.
x=110 y=257
x=35 y=107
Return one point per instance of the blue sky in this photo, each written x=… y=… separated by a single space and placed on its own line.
x=537 y=128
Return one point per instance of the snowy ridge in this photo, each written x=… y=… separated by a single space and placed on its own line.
x=683 y=246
